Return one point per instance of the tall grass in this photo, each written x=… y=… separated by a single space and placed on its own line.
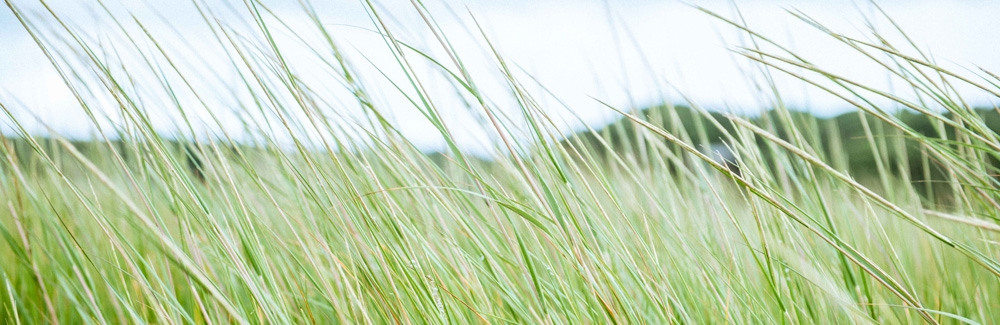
x=356 y=225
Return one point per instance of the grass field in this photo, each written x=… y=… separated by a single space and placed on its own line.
x=627 y=225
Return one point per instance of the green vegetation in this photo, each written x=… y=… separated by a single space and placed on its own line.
x=629 y=225
x=841 y=141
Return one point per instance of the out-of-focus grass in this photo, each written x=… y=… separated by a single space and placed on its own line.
x=651 y=230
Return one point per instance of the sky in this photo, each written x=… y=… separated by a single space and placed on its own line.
x=567 y=54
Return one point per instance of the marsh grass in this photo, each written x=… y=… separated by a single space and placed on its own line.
x=369 y=229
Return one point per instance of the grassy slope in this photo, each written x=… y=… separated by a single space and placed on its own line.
x=387 y=236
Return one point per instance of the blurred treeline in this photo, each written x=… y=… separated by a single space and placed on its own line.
x=845 y=142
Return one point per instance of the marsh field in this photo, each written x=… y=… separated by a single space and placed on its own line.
x=670 y=213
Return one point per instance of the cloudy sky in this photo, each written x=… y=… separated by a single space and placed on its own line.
x=627 y=53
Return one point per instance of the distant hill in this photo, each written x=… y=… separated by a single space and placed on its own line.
x=840 y=139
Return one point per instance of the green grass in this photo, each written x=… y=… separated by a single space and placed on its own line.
x=639 y=227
